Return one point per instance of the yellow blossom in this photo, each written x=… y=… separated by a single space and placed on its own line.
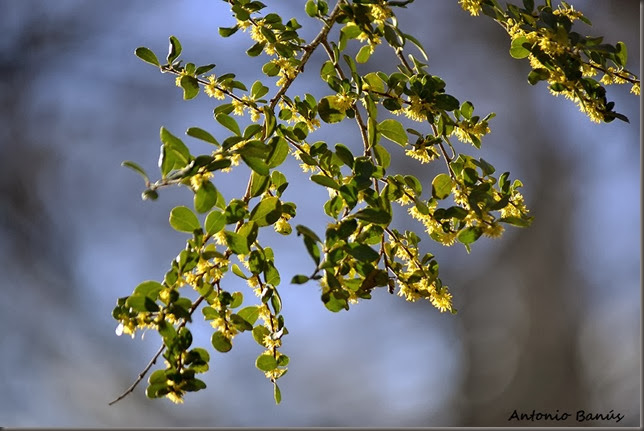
x=238 y=107
x=441 y=299
x=380 y=12
x=464 y=129
x=212 y=90
x=568 y=12
x=635 y=89
x=197 y=180
x=417 y=109
x=282 y=226
x=423 y=154
x=256 y=33
x=175 y=397
x=343 y=101
x=471 y=6
x=270 y=343
x=494 y=230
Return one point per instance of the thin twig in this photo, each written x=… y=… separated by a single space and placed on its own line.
x=308 y=50
x=156 y=356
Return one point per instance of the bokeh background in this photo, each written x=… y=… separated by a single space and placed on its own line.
x=549 y=317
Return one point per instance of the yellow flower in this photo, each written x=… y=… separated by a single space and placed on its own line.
x=287 y=70
x=417 y=109
x=238 y=107
x=408 y=291
x=423 y=154
x=495 y=230
x=380 y=12
x=197 y=180
x=516 y=207
x=635 y=89
x=254 y=115
x=441 y=299
x=312 y=124
x=282 y=226
x=464 y=129
x=255 y=32
x=175 y=397
x=343 y=102
x=129 y=328
x=568 y=12
x=212 y=90
x=270 y=343
x=471 y=6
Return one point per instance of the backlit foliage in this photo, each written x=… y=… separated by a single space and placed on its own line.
x=360 y=250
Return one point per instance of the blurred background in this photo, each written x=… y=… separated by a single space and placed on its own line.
x=549 y=317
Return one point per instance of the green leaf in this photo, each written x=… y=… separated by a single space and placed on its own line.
x=259 y=332
x=536 y=75
x=159 y=376
x=621 y=55
x=183 y=219
x=299 y=279
x=176 y=145
x=271 y=69
x=446 y=102
x=375 y=82
x=174 y=50
x=277 y=394
x=516 y=48
x=469 y=234
x=266 y=362
x=334 y=303
x=467 y=109
x=237 y=243
x=194 y=385
x=374 y=215
x=215 y=221
x=240 y=323
x=149 y=288
x=258 y=90
x=517 y=221
x=228 y=122
x=278 y=154
x=362 y=252
x=394 y=131
x=256 y=164
x=344 y=154
x=198 y=133
x=258 y=184
x=249 y=314
x=325 y=181
x=267 y=211
x=311 y=8
x=136 y=168
x=221 y=343
x=256 y=49
x=364 y=54
x=141 y=303
x=303 y=230
x=441 y=186
x=382 y=156
x=147 y=55
x=190 y=87
x=417 y=43
x=228 y=31
x=206 y=197
x=329 y=110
